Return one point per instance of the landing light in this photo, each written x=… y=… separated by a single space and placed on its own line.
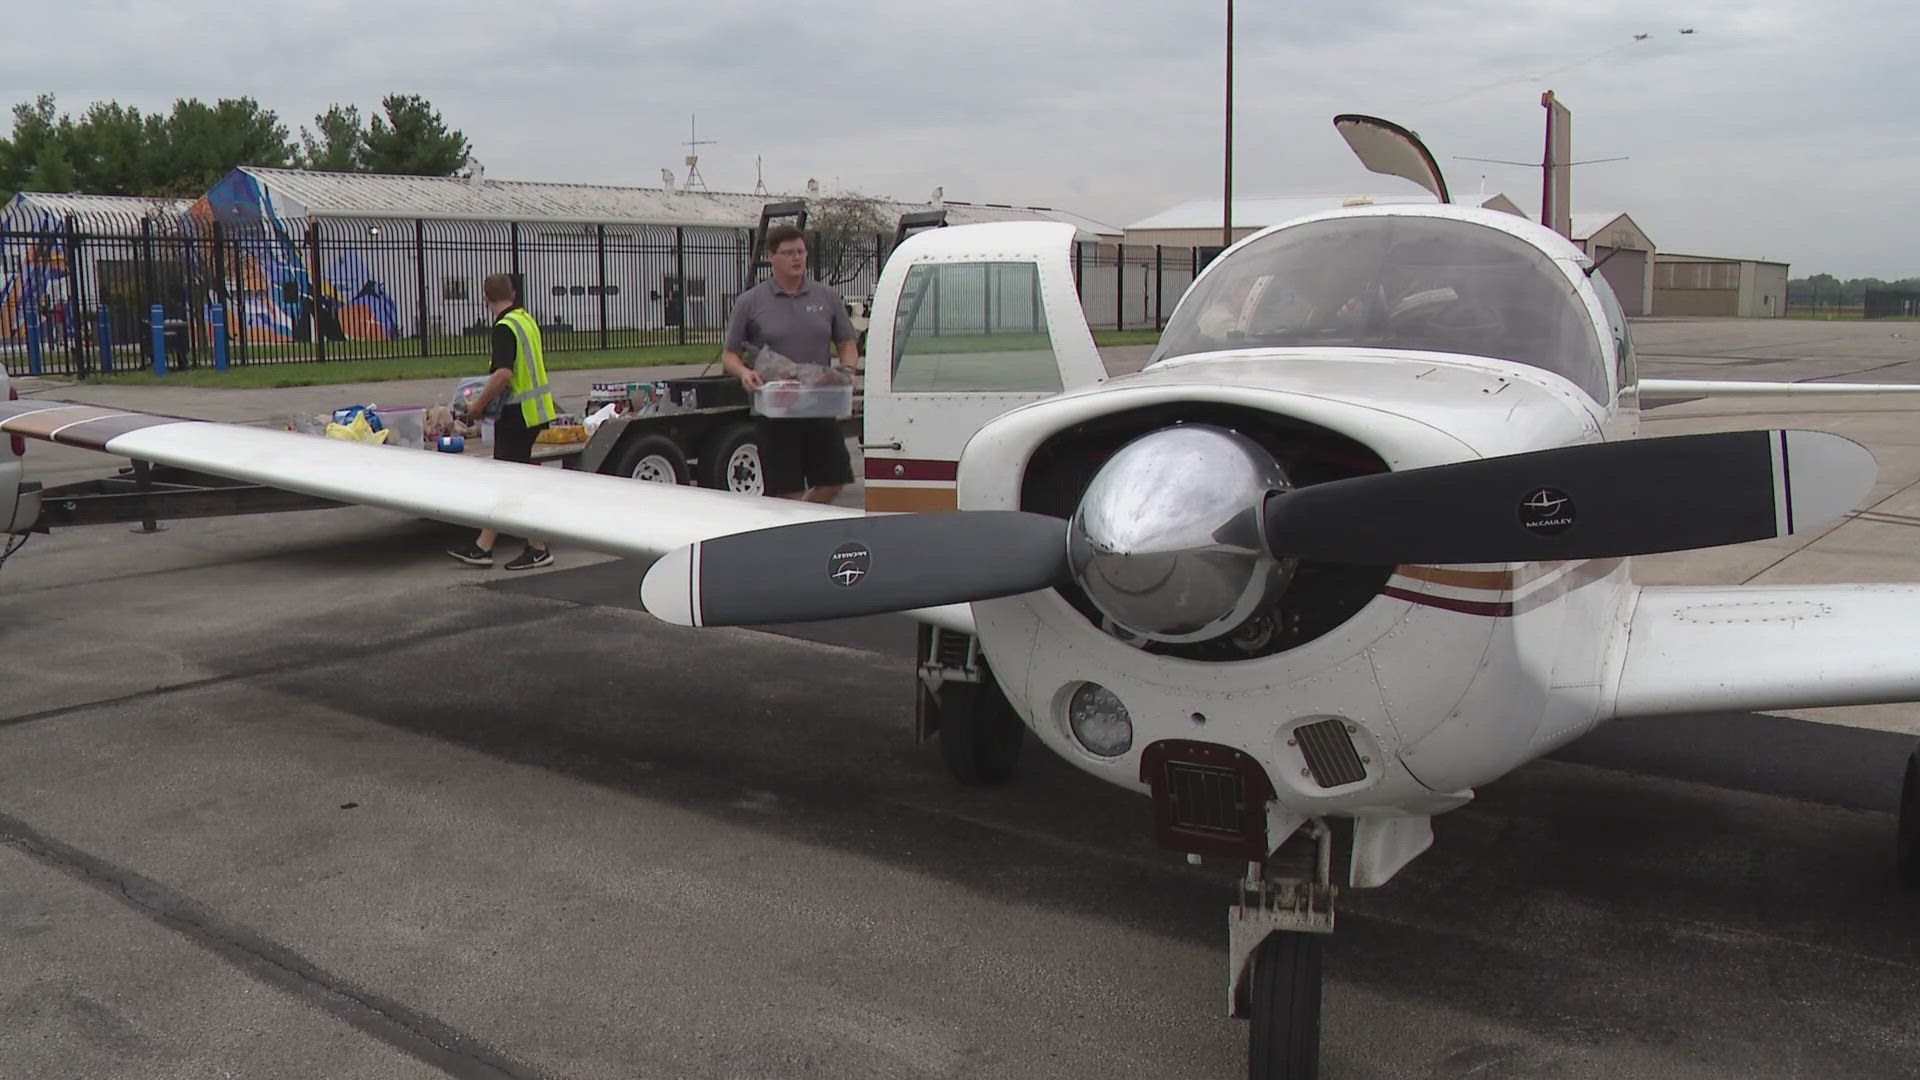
x=1099 y=722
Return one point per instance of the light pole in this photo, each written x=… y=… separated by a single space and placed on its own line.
x=1226 y=199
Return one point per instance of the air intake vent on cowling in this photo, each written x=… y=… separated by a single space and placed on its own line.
x=1207 y=799
x=1328 y=748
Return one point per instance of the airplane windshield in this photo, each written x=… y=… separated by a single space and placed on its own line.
x=1387 y=282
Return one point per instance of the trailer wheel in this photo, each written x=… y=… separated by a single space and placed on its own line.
x=651 y=458
x=734 y=460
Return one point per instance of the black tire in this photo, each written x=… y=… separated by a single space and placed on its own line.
x=1283 y=1034
x=1909 y=835
x=980 y=734
x=735 y=459
x=654 y=459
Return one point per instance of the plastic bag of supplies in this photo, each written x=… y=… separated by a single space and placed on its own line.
x=357 y=431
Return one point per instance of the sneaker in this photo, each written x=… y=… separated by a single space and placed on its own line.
x=531 y=558
x=473 y=555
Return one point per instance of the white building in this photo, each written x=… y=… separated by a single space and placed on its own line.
x=61 y=253
x=396 y=254
x=1614 y=237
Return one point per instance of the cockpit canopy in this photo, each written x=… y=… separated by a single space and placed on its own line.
x=1381 y=281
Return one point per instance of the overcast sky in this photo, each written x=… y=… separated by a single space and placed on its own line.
x=1779 y=129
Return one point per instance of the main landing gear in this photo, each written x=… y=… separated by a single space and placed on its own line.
x=1275 y=937
x=1908 y=843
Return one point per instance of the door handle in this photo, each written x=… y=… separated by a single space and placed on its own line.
x=879 y=446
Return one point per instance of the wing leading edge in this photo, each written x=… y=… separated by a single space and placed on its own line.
x=1677 y=388
x=1692 y=650
x=608 y=514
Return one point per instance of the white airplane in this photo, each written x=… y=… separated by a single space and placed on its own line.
x=1354 y=543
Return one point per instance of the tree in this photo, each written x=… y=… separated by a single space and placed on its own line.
x=201 y=143
x=51 y=169
x=337 y=145
x=412 y=140
x=35 y=125
x=113 y=149
x=844 y=228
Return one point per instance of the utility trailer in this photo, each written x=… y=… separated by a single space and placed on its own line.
x=710 y=437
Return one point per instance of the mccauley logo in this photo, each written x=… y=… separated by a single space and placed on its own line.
x=1546 y=512
x=848 y=564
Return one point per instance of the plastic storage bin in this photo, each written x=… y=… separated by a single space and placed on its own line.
x=408 y=423
x=788 y=400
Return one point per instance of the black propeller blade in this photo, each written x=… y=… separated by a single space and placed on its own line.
x=1598 y=500
x=857 y=566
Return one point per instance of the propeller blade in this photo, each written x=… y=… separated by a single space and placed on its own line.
x=1598 y=500
x=856 y=566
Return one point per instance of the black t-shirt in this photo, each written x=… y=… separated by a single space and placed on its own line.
x=506 y=344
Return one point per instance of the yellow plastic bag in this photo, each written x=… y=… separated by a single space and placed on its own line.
x=358 y=431
x=562 y=433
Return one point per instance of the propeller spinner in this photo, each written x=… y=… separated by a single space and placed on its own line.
x=1168 y=541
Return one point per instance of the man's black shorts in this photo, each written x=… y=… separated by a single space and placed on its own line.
x=512 y=438
x=805 y=453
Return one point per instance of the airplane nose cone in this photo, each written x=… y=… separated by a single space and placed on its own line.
x=1166 y=541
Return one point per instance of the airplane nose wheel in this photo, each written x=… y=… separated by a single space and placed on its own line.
x=960 y=703
x=1283 y=1025
x=980 y=734
x=1909 y=837
x=1276 y=935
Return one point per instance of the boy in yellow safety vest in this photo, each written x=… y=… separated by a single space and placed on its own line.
x=519 y=379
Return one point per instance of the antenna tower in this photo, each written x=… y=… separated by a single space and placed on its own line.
x=693 y=144
x=759 y=178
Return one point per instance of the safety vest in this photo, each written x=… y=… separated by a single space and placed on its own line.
x=529 y=389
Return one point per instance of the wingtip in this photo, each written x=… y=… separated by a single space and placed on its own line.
x=668 y=592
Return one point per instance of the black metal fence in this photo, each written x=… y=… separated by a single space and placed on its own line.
x=75 y=302
x=1890 y=304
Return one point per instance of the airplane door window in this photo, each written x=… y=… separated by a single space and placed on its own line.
x=973 y=327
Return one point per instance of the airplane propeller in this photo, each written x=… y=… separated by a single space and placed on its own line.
x=1143 y=546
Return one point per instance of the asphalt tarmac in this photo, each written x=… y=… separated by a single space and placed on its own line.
x=298 y=796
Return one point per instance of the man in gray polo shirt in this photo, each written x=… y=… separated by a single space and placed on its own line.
x=805 y=321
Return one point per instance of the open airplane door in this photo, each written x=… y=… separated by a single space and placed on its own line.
x=1385 y=147
x=968 y=322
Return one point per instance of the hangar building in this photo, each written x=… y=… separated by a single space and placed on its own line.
x=399 y=253
x=1711 y=285
x=1614 y=237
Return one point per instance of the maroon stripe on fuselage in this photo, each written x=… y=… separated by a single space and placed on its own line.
x=911 y=469
x=1580 y=576
x=1465 y=607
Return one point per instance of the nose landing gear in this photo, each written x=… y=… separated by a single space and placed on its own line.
x=1276 y=934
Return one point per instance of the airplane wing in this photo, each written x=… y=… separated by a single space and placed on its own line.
x=1676 y=388
x=609 y=514
x=1708 y=649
